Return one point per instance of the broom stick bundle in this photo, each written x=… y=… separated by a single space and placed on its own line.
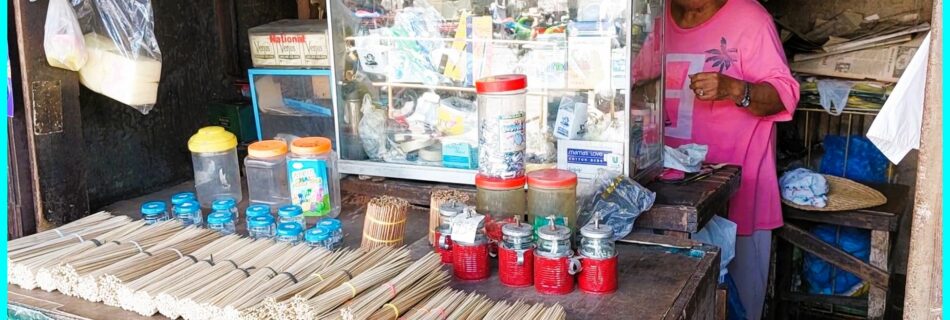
x=475 y=306
x=436 y=306
x=63 y=231
x=385 y=222
x=71 y=269
x=102 y=284
x=329 y=301
x=412 y=296
x=438 y=198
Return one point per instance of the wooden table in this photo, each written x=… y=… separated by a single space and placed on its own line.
x=679 y=209
x=882 y=221
x=669 y=279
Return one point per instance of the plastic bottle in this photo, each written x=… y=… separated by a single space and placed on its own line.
x=215 y=161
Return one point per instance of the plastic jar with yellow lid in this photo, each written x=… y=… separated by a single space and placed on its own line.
x=215 y=161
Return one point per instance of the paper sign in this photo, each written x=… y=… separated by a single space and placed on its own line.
x=464 y=229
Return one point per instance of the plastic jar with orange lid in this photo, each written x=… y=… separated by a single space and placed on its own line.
x=313 y=177
x=266 y=169
x=552 y=192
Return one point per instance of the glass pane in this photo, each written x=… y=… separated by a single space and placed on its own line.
x=293 y=105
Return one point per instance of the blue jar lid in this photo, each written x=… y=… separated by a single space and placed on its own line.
x=260 y=221
x=223 y=204
x=152 y=208
x=330 y=224
x=181 y=197
x=289 y=211
x=289 y=229
x=316 y=234
x=187 y=207
x=257 y=209
x=220 y=217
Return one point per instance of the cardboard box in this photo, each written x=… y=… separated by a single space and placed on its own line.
x=585 y=158
x=290 y=43
x=881 y=63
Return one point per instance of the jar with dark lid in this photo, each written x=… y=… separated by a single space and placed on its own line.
x=552 y=192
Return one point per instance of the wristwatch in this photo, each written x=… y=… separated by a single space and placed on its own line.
x=746 y=96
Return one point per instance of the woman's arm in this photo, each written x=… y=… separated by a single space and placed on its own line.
x=713 y=86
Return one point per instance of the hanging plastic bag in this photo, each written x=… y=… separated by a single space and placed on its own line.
x=124 y=62
x=62 y=37
x=373 y=129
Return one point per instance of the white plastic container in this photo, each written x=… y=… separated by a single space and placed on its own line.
x=313 y=177
x=214 y=157
x=266 y=169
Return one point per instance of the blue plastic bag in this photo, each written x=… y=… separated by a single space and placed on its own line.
x=824 y=278
x=865 y=162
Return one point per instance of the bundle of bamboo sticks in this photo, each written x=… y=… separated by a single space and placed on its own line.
x=385 y=222
x=438 y=198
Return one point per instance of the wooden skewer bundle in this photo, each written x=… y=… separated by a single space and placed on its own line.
x=138 y=294
x=385 y=222
x=25 y=263
x=63 y=231
x=405 y=300
x=438 y=198
x=369 y=302
x=475 y=306
x=102 y=285
x=68 y=274
x=46 y=274
x=329 y=301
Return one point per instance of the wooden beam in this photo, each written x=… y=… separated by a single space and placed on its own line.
x=808 y=242
x=54 y=127
x=923 y=293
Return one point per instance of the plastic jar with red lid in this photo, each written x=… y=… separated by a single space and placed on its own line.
x=501 y=125
x=552 y=192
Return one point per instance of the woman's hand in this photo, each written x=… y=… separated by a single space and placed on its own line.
x=714 y=86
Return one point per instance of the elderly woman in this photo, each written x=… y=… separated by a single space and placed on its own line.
x=727 y=83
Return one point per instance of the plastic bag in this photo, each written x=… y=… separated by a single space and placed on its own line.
x=373 y=129
x=687 y=158
x=618 y=200
x=124 y=62
x=62 y=37
x=834 y=95
x=720 y=232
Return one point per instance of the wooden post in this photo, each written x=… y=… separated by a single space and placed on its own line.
x=53 y=124
x=923 y=294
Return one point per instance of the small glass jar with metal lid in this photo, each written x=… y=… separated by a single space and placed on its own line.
x=225 y=204
x=447 y=213
x=335 y=227
x=554 y=240
x=153 y=212
x=254 y=210
x=291 y=213
x=516 y=255
x=189 y=213
x=470 y=259
x=517 y=236
x=596 y=241
x=289 y=232
x=261 y=226
x=318 y=237
x=221 y=221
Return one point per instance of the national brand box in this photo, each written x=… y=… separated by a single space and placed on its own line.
x=585 y=158
x=290 y=43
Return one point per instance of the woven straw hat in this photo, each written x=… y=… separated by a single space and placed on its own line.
x=845 y=194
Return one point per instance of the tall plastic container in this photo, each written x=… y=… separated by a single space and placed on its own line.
x=215 y=161
x=313 y=177
x=552 y=192
x=501 y=121
x=266 y=169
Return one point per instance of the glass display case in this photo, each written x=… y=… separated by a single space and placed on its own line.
x=405 y=74
x=293 y=103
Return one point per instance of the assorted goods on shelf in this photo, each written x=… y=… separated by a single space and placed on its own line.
x=183 y=271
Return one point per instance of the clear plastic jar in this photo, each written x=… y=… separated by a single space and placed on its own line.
x=189 y=213
x=255 y=210
x=221 y=221
x=500 y=198
x=291 y=213
x=290 y=232
x=335 y=227
x=554 y=241
x=215 y=162
x=501 y=125
x=226 y=204
x=552 y=192
x=153 y=212
x=261 y=226
x=313 y=177
x=180 y=198
x=597 y=242
x=517 y=236
x=319 y=237
x=266 y=170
